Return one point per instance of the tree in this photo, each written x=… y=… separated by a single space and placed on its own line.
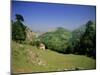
x=88 y=40
x=18 y=29
x=19 y=17
x=83 y=40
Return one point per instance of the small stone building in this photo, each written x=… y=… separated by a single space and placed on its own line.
x=42 y=46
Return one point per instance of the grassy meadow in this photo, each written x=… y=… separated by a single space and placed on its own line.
x=27 y=58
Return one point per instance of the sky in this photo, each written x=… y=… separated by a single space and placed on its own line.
x=40 y=16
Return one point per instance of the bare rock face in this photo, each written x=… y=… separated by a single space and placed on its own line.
x=30 y=35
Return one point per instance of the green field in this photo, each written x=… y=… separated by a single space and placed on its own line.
x=26 y=58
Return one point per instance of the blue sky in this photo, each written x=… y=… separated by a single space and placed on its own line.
x=48 y=16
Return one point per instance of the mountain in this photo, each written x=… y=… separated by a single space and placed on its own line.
x=56 y=40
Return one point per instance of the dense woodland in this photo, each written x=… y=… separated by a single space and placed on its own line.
x=81 y=41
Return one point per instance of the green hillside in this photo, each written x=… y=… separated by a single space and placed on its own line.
x=26 y=58
x=56 y=40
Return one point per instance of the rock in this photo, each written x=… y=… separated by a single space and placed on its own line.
x=65 y=69
x=30 y=35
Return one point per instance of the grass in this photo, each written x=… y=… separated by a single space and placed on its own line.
x=26 y=58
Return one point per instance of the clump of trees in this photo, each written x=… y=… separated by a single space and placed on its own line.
x=86 y=43
x=18 y=29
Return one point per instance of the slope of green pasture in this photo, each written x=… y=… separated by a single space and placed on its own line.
x=26 y=58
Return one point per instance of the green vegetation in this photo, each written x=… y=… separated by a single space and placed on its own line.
x=81 y=41
x=57 y=40
x=18 y=29
x=65 y=50
x=27 y=58
x=85 y=41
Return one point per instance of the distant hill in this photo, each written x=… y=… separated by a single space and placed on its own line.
x=56 y=40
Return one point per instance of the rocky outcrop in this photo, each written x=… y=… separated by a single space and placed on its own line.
x=30 y=35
